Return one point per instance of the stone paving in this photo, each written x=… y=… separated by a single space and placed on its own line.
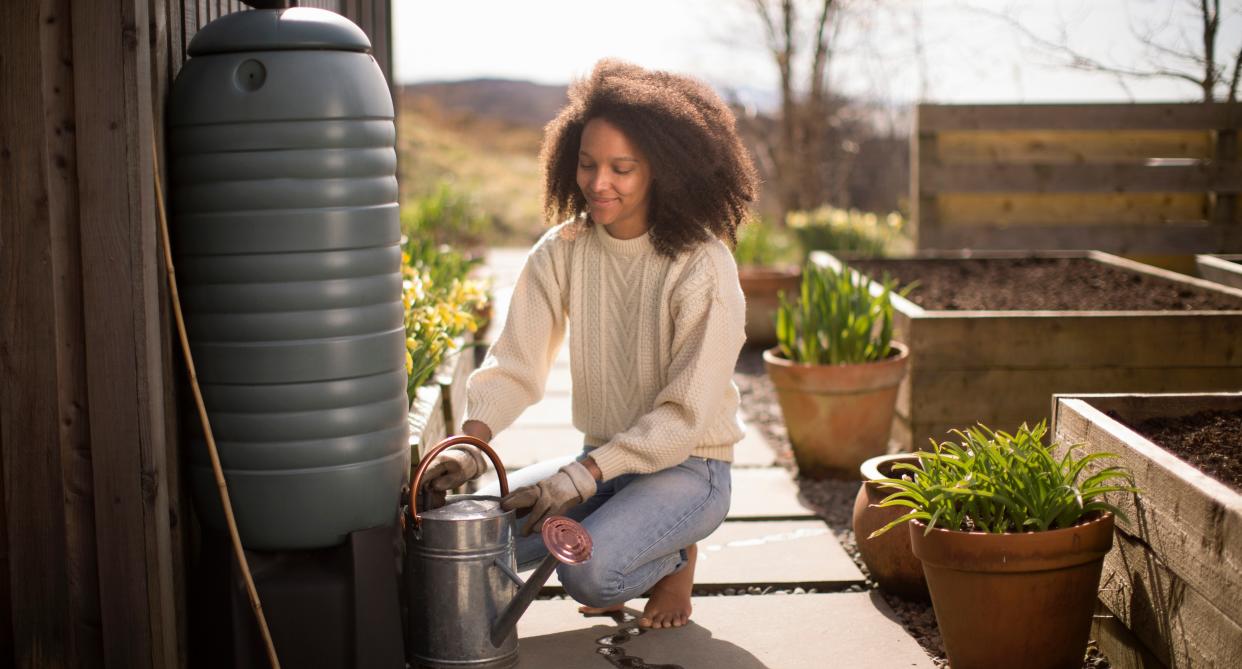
x=770 y=543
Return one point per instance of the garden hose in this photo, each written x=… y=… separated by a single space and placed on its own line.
x=216 y=468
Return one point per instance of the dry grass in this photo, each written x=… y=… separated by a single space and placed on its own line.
x=495 y=160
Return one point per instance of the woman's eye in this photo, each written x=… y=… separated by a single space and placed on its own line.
x=585 y=166
x=624 y=171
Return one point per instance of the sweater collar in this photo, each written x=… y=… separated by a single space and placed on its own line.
x=623 y=247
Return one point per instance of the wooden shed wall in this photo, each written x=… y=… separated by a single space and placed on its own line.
x=92 y=515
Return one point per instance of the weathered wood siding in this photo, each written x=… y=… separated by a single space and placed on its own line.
x=1173 y=575
x=1225 y=269
x=93 y=519
x=1130 y=178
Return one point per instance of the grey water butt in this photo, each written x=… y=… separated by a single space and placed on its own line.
x=286 y=237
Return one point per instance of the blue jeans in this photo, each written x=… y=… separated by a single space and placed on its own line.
x=640 y=525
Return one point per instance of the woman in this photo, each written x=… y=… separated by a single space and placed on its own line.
x=649 y=171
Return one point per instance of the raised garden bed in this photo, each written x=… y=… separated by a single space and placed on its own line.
x=1172 y=585
x=993 y=336
x=1221 y=268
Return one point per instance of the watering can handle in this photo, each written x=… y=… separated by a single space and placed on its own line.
x=448 y=443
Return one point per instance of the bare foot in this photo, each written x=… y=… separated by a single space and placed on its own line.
x=669 y=605
x=600 y=611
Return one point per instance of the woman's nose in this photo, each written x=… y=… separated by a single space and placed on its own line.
x=600 y=182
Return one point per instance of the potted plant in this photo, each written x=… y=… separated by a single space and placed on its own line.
x=888 y=557
x=836 y=370
x=767 y=264
x=1012 y=538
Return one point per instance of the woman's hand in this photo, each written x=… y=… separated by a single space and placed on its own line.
x=553 y=496
x=457 y=465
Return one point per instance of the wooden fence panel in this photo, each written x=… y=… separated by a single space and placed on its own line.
x=1137 y=179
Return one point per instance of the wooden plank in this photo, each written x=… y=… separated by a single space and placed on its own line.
x=1128 y=238
x=1070 y=147
x=1188 y=116
x=1225 y=269
x=1118 y=643
x=1011 y=396
x=175 y=20
x=1058 y=209
x=75 y=447
x=1173 y=620
x=426 y=421
x=1142 y=406
x=1193 y=522
x=36 y=576
x=124 y=378
x=1095 y=178
x=983 y=340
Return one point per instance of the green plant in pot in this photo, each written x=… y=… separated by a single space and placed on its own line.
x=1012 y=538
x=836 y=370
x=767 y=259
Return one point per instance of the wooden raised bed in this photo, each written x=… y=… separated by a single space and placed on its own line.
x=426 y=420
x=1002 y=367
x=1174 y=576
x=1221 y=268
x=452 y=376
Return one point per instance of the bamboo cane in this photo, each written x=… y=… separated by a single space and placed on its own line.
x=216 y=468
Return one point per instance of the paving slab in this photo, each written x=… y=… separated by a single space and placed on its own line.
x=779 y=553
x=855 y=630
x=753 y=451
x=765 y=494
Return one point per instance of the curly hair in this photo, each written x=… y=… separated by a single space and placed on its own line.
x=702 y=177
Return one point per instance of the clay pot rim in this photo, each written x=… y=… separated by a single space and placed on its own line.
x=870 y=469
x=1014 y=552
x=773 y=356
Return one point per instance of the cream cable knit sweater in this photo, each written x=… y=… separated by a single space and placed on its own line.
x=652 y=341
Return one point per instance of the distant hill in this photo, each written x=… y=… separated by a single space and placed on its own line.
x=517 y=102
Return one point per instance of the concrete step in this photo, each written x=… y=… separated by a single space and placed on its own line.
x=814 y=631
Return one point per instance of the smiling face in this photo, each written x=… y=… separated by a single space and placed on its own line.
x=615 y=178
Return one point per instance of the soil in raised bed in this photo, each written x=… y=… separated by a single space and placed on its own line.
x=1211 y=441
x=1040 y=284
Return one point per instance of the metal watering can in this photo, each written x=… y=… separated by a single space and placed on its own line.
x=461 y=573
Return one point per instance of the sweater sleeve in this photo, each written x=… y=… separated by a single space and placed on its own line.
x=515 y=372
x=709 y=315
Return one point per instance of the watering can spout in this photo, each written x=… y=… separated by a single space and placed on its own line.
x=567 y=542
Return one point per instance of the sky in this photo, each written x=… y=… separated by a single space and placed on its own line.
x=890 y=51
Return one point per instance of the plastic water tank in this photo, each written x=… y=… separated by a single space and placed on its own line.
x=286 y=233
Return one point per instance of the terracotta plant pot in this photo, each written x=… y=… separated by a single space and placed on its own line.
x=762 y=287
x=888 y=557
x=1019 y=601
x=837 y=415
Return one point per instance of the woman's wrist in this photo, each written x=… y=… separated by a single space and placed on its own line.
x=476 y=429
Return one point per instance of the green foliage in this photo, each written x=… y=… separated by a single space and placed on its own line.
x=446 y=215
x=831 y=229
x=997 y=482
x=761 y=244
x=442 y=302
x=837 y=319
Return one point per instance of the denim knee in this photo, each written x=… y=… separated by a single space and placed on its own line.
x=593 y=583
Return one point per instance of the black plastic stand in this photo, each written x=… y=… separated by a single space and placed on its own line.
x=334 y=608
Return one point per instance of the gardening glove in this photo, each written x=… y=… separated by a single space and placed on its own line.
x=553 y=496
x=453 y=467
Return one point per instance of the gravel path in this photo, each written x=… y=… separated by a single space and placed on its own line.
x=834 y=502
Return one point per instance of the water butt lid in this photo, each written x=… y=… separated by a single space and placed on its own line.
x=466 y=508
x=279 y=30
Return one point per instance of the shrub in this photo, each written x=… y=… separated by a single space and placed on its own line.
x=831 y=229
x=997 y=482
x=761 y=244
x=837 y=318
x=446 y=215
